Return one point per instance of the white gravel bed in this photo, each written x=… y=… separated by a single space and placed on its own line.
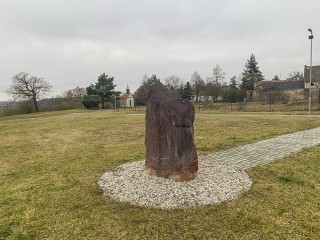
x=213 y=184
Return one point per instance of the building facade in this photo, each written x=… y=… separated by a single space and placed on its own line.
x=126 y=99
x=280 y=85
x=315 y=76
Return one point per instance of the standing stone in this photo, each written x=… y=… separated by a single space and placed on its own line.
x=170 y=149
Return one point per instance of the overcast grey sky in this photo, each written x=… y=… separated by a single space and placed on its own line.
x=70 y=42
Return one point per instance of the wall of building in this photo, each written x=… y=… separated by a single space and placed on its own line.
x=278 y=95
x=315 y=74
x=284 y=96
x=127 y=102
x=281 y=85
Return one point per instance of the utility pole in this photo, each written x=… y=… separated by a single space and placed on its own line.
x=310 y=37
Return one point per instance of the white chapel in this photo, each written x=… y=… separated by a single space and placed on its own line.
x=127 y=99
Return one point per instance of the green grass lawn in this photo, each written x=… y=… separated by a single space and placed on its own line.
x=50 y=164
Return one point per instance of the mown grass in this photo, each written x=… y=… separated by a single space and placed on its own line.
x=50 y=164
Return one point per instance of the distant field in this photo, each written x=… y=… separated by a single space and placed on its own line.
x=50 y=163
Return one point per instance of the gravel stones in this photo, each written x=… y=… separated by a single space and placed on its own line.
x=220 y=176
x=213 y=184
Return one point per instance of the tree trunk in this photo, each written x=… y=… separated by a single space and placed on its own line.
x=34 y=98
x=102 y=103
x=319 y=97
x=251 y=95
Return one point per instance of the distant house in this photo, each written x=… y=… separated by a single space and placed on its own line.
x=278 y=90
x=280 y=85
x=287 y=90
x=126 y=99
x=315 y=76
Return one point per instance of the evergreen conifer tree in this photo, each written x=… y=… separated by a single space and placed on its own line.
x=104 y=88
x=251 y=75
x=187 y=91
x=141 y=93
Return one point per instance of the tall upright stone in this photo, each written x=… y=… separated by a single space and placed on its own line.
x=170 y=149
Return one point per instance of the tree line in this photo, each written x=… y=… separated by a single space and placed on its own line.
x=212 y=88
x=29 y=89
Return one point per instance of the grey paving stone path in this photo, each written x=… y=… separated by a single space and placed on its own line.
x=265 y=151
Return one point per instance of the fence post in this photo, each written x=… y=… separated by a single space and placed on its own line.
x=270 y=100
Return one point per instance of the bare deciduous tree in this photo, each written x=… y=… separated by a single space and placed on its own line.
x=75 y=96
x=77 y=92
x=218 y=75
x=197 y=84
x=174 y=81
x=27 y=87
x=295 y=75
x=212 y=89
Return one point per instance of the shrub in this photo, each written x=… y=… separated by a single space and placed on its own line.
x=17 y=108
x=108 y=105
x=91 y=101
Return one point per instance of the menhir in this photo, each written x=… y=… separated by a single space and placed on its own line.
x=170 y=149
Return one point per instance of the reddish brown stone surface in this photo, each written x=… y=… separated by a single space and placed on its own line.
x=170 y=149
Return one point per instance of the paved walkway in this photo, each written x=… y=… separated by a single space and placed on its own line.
x=265 y=151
